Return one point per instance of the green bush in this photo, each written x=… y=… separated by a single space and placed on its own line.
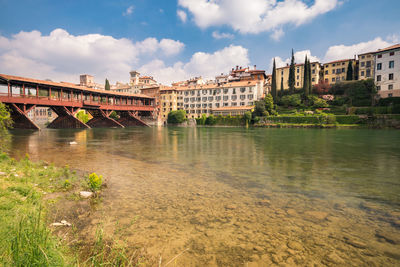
x=211 y=120
x=82 y=116
x=348 y=119
x=389 y=101
x=176 y=116
x=201 y=120
x=95 y=181
x=291 y=100
x=114 y=115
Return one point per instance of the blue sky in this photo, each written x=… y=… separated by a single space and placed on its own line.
x=129 y=35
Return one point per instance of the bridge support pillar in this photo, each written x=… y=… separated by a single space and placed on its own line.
x=19 y=115
x=102 y=120
x=129 y=118
x=66 y=119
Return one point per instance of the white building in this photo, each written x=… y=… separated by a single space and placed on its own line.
x=205 y=99
x=387 y=71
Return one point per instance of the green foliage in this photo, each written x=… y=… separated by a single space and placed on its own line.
x=290 y=100
x=273 y=82
x=211 y=120
x=5 y=118
x=230 y=120
x=107 y=85
x=307 y=78
x=201 y=120
x=292 y=79
x=358 y=93
x=316 y=102
x=315 y=119
x=282 y=89
x=349 y=74
x=259 y=109
x=176 y=116
x=82 y=116
x=94 y=181
x=348 y=119
x=269 y=104
x=114 y=115
x=389 y=101
x=247 y=116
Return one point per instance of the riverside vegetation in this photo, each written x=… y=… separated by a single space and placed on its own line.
x=28 y=191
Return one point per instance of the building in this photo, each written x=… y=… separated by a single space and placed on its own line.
x=232 y=111
x=366 y=66
x=204 y=99
x=169 y=101
x=136 y=84
x=41 y=115
x=88 y=81
x=336 y=71
x=282 y=74
x=387 y=71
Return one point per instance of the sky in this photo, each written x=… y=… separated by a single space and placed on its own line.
x=174 y=40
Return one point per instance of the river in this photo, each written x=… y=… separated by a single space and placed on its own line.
x=245 y=197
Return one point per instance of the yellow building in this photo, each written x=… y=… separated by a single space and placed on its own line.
x=283 y=73
x=366 y=66
x=336 y=71
x=168 y=101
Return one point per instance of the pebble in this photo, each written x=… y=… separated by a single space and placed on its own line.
x=73 y=143
x=62 y=223
x=230 y=207
x=295 y=245
x=86 y=194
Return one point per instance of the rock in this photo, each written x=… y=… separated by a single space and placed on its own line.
x=73 y=143
x=57 y=224
x=2 y=173
x=316 y=215
x=65 y=223
x=355 y=243
x=86 y=194
x=258 y=248
x=263 y=202
x=295 y=245
x=62 y=223
x=334 y=258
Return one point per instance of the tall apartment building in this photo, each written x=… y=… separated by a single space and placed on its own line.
x=387 y=71
x=282 y=74
x=209 y=98
x=136 y=84
x=336 y=71
x=170 y=99
x=366 y=66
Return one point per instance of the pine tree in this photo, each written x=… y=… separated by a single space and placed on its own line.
x=305 y=78
x=349 y=75
x=107 y=85
x=292 y=79
x=273 y=84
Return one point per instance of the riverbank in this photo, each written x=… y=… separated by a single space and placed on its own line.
x=42 y=216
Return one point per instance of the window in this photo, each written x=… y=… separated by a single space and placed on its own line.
x=391 y=64
x=379 y=56
x=333 y=71
x=326 y=72
x=297 y=83
x=217 y=105
x=226 y=97
x=391 y=76
x=378 y=88
x=313 y=79
x=390 y=86
x=242 y=90
x=362 y=73
x=298 y=70
x=390 y=95
x=242 y=97
x=242 y=103
x=210 y=98
x=368 y=73
x=379 y=66
x=234 y=104
x=343 y=69
x=250 y=97
x=233 y=91
x=204 y=99
x=362 y=64
x=313 y=71
x=298 y=77
x=225 y=104
x=362 y=57
x=234 y=97
x=333 y=79
x=210 y=105
x=368 y=64
x=391 y=53
x=204 y=105
x=226 y=91
x=333 y=65
x=218 y=98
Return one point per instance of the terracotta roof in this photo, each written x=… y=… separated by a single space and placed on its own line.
x=66 y=85
x=337 y=61
x=234 y=108
x=388 y=48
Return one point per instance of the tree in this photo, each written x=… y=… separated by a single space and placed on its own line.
x=107 y=85
x=269 y=104
x=321 y=88
x=176 y=116
x=5 y=118
x=281 y=92
x=305 y=78
x=259 y=109
x=114 y=115
x=247 y=117
x=82 y=116
x=292 y=79
x=349 y=75
x=273 y=83
x=211 y=120
x=309 y=77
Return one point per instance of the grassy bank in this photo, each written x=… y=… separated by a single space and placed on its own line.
x=25 y=238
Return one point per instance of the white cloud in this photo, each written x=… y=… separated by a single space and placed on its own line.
x=202 y=64
x=128 y=11
x=299 y=58
x=277 y=34
x=349 y=51
x=257 y=15
x=222 y=35
x=182 y=15
x=62 y=56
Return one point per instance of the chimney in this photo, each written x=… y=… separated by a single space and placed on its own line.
x=237 y=67
x=255 y=67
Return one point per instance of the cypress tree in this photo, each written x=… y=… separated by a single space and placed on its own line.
x=281 y=92
x=292 y=79
x=305 y=78
x=349 y=75
x=309 y=78
x=273 y=84
x=107 y=85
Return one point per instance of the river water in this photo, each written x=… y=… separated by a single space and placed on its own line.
x=241 y=197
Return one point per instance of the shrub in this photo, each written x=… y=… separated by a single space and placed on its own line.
x=348 y=119
x=201 y=120
x=114 y=115
x=95 y=181
x=5 y=117
x=211 y=120
x=177 y=116
x=82 y=116
x=291 y=100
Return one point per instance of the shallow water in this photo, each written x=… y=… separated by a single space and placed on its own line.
x=241 y=197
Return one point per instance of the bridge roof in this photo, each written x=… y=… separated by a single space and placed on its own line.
x=68 y=85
